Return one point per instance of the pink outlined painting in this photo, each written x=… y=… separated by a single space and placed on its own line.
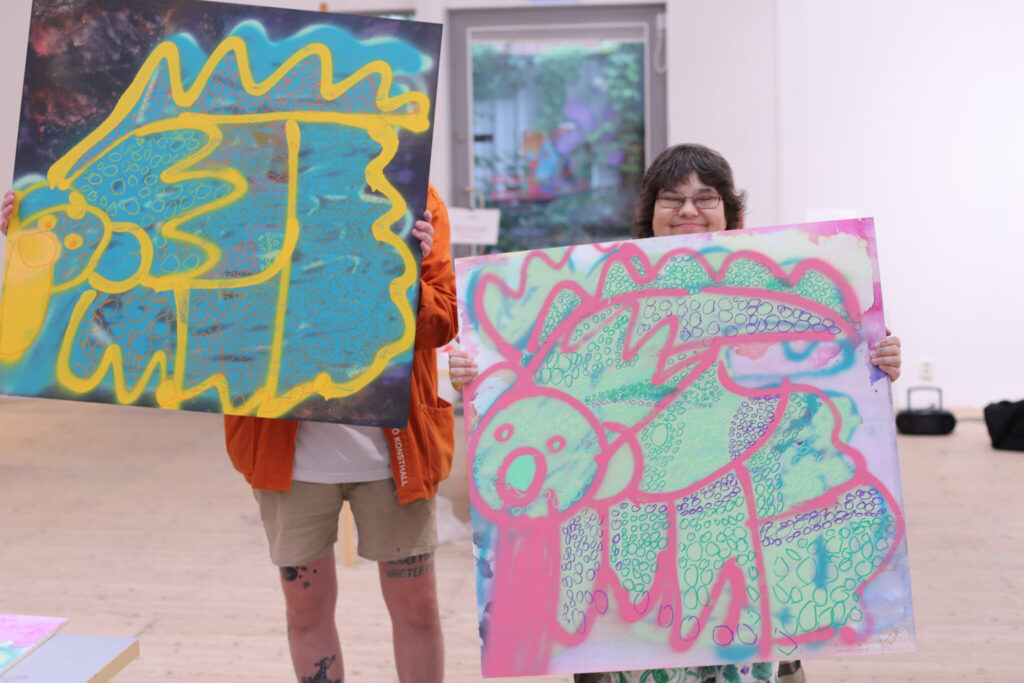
x=20 y=634
x=680 y=454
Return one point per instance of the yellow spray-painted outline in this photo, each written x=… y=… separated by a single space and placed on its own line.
x=25 y=303
x=171 y=390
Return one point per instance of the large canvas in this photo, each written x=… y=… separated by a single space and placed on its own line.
x=680 y=453
x=215 y=208
x=21 y=634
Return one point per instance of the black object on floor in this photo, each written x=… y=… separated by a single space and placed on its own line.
x=932 y=421
x=791 y=671
x=1005 y=422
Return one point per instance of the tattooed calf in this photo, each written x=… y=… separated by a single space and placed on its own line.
x=410 y=568
x=321 y=673
x=291 y=574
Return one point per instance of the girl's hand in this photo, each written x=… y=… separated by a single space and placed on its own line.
x=886 y=355
x=461 y=368
x=424 y=232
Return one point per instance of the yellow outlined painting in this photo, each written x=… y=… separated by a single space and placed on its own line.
x=229 y=237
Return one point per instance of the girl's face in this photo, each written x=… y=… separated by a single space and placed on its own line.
x=690 y=207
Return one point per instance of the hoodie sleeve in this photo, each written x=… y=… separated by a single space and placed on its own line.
x=437 y=322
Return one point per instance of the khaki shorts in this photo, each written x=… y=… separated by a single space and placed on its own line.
x=302 y=523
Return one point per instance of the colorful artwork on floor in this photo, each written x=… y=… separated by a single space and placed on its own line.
x=215 y=205
x=680 y=453
x=20 y=635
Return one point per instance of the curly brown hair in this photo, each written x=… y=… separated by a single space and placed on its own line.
x=672 y=167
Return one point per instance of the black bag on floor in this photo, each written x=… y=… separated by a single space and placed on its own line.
x=1005 y=422
x=925 y=421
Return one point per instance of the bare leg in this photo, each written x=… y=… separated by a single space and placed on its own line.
x=310 y=594
x=410 y=593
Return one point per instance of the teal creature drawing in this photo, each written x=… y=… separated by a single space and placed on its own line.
x=230 y=237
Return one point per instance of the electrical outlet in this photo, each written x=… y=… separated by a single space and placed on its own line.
x=926 y=371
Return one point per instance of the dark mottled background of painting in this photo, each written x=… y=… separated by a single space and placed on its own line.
x=83 y=53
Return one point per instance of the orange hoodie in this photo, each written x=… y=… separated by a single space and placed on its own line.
x=263 y=449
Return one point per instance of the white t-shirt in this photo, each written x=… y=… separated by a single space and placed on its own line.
x=327 y=453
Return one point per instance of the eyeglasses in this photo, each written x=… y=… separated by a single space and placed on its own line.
x=675 y=202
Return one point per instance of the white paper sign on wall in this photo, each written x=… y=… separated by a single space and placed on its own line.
x=474 y=226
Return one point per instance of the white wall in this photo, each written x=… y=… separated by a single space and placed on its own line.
x=912 y=112
x=907 y=110
x=13 y=46
x=722 y=87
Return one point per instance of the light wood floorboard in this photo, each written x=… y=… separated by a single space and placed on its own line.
x=131 y=522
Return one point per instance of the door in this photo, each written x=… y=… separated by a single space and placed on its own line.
x=556 y=113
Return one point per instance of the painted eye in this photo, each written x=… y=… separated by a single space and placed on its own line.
x=555 y=444
x=504 y=432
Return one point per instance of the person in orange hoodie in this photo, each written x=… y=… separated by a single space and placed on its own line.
x=301 y=472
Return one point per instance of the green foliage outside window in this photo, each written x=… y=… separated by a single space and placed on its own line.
x=613 y=75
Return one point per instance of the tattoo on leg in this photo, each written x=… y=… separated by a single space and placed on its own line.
x=411 y=567
x=291 y=574
x=321 y=674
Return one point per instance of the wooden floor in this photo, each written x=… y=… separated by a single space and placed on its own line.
x=130 y=521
